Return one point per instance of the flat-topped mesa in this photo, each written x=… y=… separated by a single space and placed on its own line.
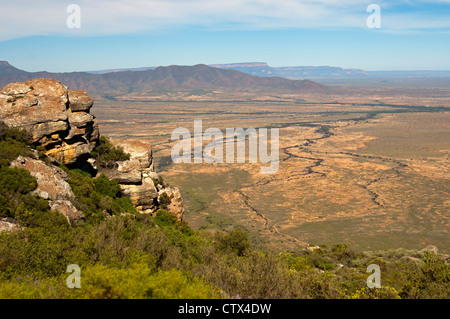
x=56 y=117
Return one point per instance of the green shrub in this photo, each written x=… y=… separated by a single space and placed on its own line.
x=298 y=263
x=15 y=183
x=10 y=149
x=41 y=152
x=126 y=257
x=7 y=133
x=164 y=200
x=139 y=281
x=13 y=142
x=33 y=211
x=164 y=218
x=16 y=180
x=429 y=279
x=101 y=282
x=376 y=293
x=106 y=186
x=236 y=240
x=107 y=154
x=94 y=196
x=31 y=287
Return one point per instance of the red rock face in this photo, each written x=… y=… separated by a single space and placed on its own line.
x=56 y=117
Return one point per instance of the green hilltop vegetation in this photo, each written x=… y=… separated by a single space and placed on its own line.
x=140 y=256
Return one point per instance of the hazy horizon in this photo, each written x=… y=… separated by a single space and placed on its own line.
x=140 y=68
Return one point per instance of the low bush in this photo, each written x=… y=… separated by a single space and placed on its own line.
x=98 y=196
x=141 y=256
x=107 y=154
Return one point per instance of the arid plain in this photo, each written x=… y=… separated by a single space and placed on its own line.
x=361 y=164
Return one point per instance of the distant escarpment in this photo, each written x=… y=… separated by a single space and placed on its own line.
x=64 y=135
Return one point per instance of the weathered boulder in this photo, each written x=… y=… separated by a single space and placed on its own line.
x=79 y=119
x=142 y=195
x=8 y=225
x=51 y=185
x=175 y=206
x=132 y=170
x=56 y=117
x=138 y=180
x=139 y=150
x=69 y=153
x=79 y=101
x=130 y=174
x=51 y=180
x=66 y=208
x=36 y=106
x=125 y=172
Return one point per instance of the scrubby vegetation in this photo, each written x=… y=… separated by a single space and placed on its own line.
x=140 y=256
x=17 y=183
x=99 y=197
x=13 y=142
x=107 y=154
x=157 y=257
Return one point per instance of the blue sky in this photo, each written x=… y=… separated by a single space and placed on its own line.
x=414 y=35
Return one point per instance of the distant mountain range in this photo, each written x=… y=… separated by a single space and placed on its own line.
x=236 y=76
x=309 y=72
x=263 y=69
x=146 y=80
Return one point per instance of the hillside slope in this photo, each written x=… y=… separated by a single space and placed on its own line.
x=167 y=78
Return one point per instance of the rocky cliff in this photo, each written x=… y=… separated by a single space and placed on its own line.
x=60 y=123
x=57 y=118
x=140 y=182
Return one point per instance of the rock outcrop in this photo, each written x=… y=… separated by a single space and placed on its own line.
x=52 y=181
x=59 y=120
x=140 y=182
x=56 y=117
x=8 y=225
x=66 y=208
x=175 y=205
x=52 y=185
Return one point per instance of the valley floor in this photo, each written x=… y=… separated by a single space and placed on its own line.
x=371 y=171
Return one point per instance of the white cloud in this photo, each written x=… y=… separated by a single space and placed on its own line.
x=106 y=17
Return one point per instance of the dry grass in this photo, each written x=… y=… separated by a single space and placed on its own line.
x=380 y=181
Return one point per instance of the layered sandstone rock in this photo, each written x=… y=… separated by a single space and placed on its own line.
x=56 y=117
x=138 y=180
x=176 y=205
x=52 y=181
x=132 y=174
x=52 y=185
x=59 y=119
